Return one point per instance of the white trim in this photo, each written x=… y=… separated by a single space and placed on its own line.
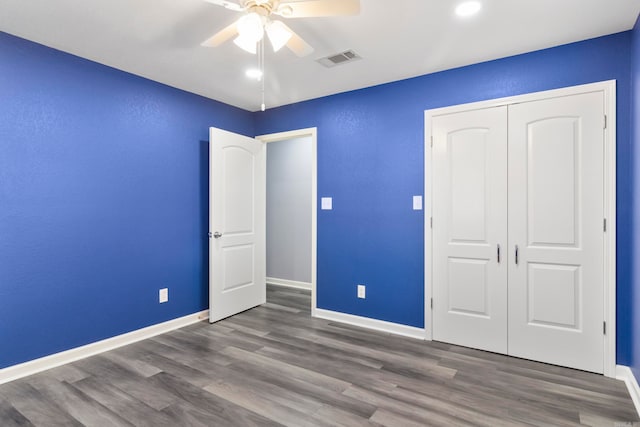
x=623 y=373
x=609 y=298
x=428 y=231
x=610 y=280
x=313 y=134
x=289 y=283
x=58 y=359
x=377 y=325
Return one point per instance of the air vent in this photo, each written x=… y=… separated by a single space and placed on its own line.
x=339 y=58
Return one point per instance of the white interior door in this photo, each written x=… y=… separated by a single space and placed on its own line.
x=556 y=212
x=469 y=231
x=237 y=176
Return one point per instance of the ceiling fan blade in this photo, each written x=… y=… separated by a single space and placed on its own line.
x=222 y=36
x=318 y=8
x=296 y=43
x=227 y=4
x=299 y=46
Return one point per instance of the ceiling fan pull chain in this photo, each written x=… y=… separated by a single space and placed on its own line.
x=261 y=59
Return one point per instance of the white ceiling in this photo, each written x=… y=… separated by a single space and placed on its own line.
x=160 y=40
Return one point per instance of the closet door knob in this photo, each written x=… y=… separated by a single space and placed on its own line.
x=516 y=254
x=498 y=254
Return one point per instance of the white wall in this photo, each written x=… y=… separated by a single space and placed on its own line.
x=289 y=209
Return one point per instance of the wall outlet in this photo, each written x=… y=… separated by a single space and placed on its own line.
x=163 y=295
x=362 y=291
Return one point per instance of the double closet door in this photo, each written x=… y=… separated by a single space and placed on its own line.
x=518 y=238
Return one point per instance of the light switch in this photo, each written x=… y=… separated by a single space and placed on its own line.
x=417 y=203
x=163 y=295
x=327 y=203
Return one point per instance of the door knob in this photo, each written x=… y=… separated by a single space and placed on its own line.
x=217 y=235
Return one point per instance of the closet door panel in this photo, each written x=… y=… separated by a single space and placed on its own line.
x=469 y=214
x=556 y=216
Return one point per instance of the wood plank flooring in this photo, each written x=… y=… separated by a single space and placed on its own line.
x=275 y=365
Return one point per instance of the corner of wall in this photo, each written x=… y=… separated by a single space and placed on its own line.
x=634 y=318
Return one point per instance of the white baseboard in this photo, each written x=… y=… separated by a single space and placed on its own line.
x=624 y=373
x=289 y=283
x=42 y=364
x=366 y=322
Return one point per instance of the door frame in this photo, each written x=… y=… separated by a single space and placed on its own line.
x=311 y=133
x=609 y=298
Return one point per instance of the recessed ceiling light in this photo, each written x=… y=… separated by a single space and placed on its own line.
x=468 y=8
x=254 y=73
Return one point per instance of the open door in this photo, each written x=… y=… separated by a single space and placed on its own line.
x=237 y=254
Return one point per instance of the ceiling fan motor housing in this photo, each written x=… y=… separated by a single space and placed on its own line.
x=261 y=7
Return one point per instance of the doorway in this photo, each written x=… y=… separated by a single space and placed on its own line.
x=291 y=216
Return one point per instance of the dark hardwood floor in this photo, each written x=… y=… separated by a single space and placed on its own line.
x=275 y=365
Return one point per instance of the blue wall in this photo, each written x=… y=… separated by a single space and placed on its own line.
x=103 y=189
x=633 y=319
x=370 y=160
x=103 y=200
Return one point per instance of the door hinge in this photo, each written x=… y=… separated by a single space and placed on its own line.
x=209 y=234
x=605 y=225
x=605 y=121
x=431 y=222
x=431 y=141
x=431 y=303
x=604 y=328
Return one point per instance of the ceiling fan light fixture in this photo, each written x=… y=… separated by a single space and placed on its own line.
x=468 y=8
x=251 y=27
x=279 y=35
x=246 y=44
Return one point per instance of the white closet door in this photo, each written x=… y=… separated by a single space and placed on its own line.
x=470 y=216
x=556 y=221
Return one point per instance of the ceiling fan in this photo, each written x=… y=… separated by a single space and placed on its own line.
x=256 y=20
